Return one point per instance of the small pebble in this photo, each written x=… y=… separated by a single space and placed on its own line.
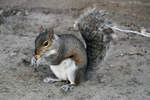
x=26 y=12
x=18 y=13
x=1 y=12
x=121 y=54
x=12 y=54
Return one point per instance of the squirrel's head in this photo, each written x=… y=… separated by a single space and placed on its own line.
x=44 y=41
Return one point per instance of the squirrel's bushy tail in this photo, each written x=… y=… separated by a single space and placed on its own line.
x=92 y=25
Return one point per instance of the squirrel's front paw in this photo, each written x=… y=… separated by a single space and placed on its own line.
x=35 y=62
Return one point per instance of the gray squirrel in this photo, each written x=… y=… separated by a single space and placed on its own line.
x=67 y=55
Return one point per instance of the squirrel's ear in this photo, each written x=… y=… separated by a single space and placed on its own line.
x=41 y=28
x=51 y=33
x=56 y=37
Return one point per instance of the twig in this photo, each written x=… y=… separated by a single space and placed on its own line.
x=143 y=31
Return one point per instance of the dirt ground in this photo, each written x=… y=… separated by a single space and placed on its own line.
x=123 y=75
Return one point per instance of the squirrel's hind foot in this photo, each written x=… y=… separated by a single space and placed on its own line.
x=68 y=87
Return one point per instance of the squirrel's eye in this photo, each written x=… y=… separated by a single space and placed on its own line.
x=45 y=43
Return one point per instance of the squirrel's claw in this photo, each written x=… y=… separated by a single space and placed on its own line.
x=50 y=80
x=66 y=88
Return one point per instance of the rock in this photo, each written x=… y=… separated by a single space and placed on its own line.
x=26 y=61
x=12 y=54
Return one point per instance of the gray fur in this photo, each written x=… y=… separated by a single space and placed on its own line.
x=63 y=44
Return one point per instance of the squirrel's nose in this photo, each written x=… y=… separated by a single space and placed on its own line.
x=37 y=56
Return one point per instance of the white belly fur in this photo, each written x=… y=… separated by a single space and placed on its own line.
x=64 y=69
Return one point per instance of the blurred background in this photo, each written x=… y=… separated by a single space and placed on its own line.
x=121 y=10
